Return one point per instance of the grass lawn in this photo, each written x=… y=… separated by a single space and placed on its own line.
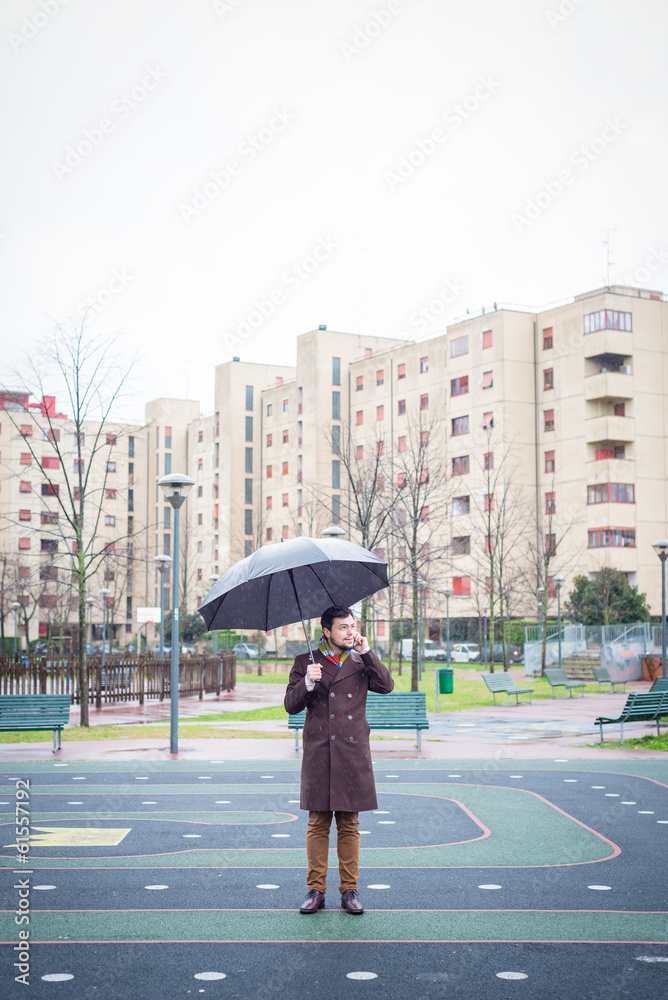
x=149 y=732
x=649 y=742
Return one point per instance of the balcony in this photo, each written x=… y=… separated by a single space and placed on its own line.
x=618 y=342
x=609 y=385
x=611 y=470
x=611 y=515
x=623 y=559
x=609 y=428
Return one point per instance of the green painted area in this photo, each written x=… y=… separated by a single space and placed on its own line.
x=257 y=818
x=525 y=831
x=334 y=925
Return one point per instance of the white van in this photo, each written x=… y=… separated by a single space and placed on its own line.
x=465 y=652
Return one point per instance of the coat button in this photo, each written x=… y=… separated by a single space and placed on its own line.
x=350 y=696
x=350 y=716
x=331 y=694
x=350 y=739
x=332 y=716
x=332 y=737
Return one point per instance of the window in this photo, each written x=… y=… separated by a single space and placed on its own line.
x=26 y=458
x=48 y=545
x=488 y=462
x=401 y=407
x=269 y=534
x=110 y=520
x=167 y=516
x=248 y=522
x=550 y=503
x=401 y=443
x=46 y=517
x=380 y=413
x=336 y=439
x=78 y=465
x=607 y=319
x=380 y=376
x=336 y=509
x=359 y=452
x=548 y=420
x=461 y=505
x=26 y=430
x=401 y=370
x=487 y=339
x=49 y=434
x=167 y=544
x=248 y=547
x=619 y=409
x=359 y=383
x=459 y=386
x=489 y=502
x=285 y=499
x=249 y=428
x=249 y=397
x=111 y=439
x=200 y=492
x=424 y=439
x=461 y=585
x=611 y=493
x=548 y=378
x=424 y=401
x=618 y=451
x=285 y=532
x=24 y=515
x=248 y=491
x=24 y=543
x=359 y=418
x=488 y=421
x=157 y=437
x=270 y=471
x=285 y=405
x=168 y=437
x=401 y=481
x=549 y=461
x=50 y=490
x=248 y=464
x=111 y=466
x=269 y=503
x=200 y=437
x=424 y=365
x=336 y=371
x=489 y=544
x=460 y=465
x=336 y=405
x=48 y=573
x=612 y=537
x=460 y=425
x=168 y=464
x=459 y=346
x=547 y=338
x=270 y=409
x=285 y=469
x=550 y=545
x=286 y=437
x=461 y=545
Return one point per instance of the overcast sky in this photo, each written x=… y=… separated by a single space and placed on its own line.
x=219 y=177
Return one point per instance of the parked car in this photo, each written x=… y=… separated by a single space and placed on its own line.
x=185 y=649
x=465 y=652
x=515 y=653
x=246 y=650
x=430 y=651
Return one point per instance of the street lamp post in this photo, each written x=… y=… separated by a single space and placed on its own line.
x=103 y=595
x=176 y=488
x=448 y=592
x=661 y=546
x=16 y=605
x=558 y=580
x=162 y=562
x=212 y=579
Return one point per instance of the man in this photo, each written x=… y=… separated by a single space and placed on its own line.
x=337 y=773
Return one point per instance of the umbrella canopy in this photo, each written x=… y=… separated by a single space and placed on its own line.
x=290 y=582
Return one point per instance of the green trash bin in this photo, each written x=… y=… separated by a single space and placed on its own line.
x=445 y=676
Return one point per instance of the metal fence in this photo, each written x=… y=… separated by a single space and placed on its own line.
x=121 y=679
x=617 y=647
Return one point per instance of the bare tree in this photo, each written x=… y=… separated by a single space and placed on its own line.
x=93 y=379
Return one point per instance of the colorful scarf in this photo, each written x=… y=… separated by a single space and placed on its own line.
x=326 y=650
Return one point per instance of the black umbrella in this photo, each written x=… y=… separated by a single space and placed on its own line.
x=290 y=582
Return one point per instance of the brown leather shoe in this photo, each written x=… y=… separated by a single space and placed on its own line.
x=350 y=901
x=314 y=901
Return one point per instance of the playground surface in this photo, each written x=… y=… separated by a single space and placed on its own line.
x=482 y=878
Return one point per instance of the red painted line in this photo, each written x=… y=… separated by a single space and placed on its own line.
x=311 y=941
x=331 y=910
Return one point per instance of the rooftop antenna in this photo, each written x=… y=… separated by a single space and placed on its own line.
x=608 y=255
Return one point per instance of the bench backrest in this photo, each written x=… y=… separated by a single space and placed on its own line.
x=499 y=682
x=645 y=703
x=556 y=676
x=39 y=707
x=660 y=684
x=601 y=674
x=408 y=705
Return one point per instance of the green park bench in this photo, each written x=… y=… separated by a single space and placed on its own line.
x=660 y=684
x=403 y=710
x=30 y=712
x=502 y=683
x=602 y=676
x=639 y=707
x=559 y=678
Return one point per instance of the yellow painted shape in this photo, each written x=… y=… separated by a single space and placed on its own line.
x=73 y=836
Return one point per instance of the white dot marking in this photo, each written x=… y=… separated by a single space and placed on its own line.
x=361 y=975
x=222 y=802
x=210 y=975
x=266 y=776
x=490 y=885
x=156 y=887
x=611 y=795
x=512 y=975
x=598 y=786
x=362 y=833
x=203 y=777
x=44 y=887
x=149 y=802
x=143 y=777
x=454 y=776
x=74 y=803
x=57 y=977
x=280 y=834
x=78 y=779
x=391 y=776
x=645 y=812
x=651 y=958
x=662 y=820
x=266 y=885
x=628 y=803
x=378 y=886
x=381 y=812
x=571 y=779
x=293 y=802
x=190 y=836
x=386 y=822
x=600 y=888
x=515 y=775
x=561 y=760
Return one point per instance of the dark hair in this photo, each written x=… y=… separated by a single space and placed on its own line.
x=336 y=611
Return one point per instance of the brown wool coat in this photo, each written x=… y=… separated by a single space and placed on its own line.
x=337 y=773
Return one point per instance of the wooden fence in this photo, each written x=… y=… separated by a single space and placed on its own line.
x=122 y=679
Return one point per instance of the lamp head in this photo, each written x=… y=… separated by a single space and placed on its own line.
x=448 y=591
x=332 y=532
x=162 y=562
x=214 y=577
x=90 y=601
x=661 y=546
x=16 y=604
x=558 y=579
x=176 y=488
x=104 y=591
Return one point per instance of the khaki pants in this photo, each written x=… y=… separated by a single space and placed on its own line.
x=347 y=848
